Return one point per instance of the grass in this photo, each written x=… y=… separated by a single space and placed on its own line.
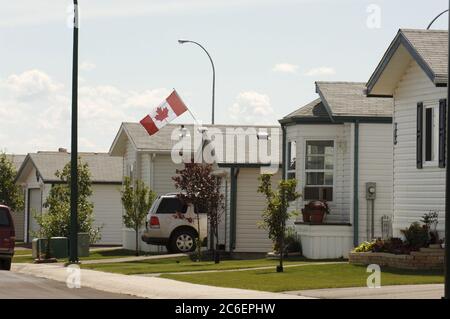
x=308 y=277
x=184 y=264
x=94 y=255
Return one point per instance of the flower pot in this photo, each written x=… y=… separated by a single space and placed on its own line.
x=306 y=216
x=317 y=216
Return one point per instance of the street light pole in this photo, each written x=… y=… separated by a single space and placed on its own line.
x=214 y=73
x=447 y=180
x=73 y=256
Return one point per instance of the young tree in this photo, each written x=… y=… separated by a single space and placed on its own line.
x=56 y=222
x=276 y=213
x=201 y=188
x=137 y=200
x=10 y=194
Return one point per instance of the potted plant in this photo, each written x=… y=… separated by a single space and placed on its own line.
x=315 y=211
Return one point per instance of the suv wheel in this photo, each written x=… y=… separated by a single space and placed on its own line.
x=5 y=264
x=183 y=241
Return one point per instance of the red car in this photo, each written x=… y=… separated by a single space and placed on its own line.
x=7 y=238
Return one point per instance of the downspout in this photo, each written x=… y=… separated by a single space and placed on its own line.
x=233 y=197
x=283 y=152
x=355 y=187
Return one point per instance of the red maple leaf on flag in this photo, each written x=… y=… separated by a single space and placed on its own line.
x=161 y=114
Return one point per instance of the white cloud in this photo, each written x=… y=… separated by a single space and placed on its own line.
x=285 y=68
x=323 y=70
x=252 y=107
x=35 y=112
x=87 y=66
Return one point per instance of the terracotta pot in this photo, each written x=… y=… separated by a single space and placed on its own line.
x=306 y=215
x=317 y=216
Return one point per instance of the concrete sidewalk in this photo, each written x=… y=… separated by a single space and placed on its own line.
x=146 y=287
x=131 y=259
x=429 y=291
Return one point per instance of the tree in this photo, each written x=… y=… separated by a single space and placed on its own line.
x=276 y=213
x=201 y=188
x=137 y=200
x=11 y=194
x=56 y=221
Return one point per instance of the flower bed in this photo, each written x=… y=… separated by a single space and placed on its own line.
x=425 y=258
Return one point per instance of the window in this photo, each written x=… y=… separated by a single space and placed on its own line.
x=319 y=169
x=431 y=134
x=291 y=158
x=4 y=218
x=171 y=206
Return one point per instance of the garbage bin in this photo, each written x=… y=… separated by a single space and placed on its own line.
x=83 y=245
x=59 y=247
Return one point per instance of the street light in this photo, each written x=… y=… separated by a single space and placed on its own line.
x=73 y=254
x=447 y=171
x=214 y=73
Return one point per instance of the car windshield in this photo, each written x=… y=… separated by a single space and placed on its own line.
x=171 y=206
x=4 y=217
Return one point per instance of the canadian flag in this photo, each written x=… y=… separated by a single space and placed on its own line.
x=163 y=114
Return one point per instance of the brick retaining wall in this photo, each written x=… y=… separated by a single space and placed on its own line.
x=426 y=258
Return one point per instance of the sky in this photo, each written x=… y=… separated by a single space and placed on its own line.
x=267 y=54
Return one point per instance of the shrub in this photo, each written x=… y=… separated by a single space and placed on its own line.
x=292 y=241
x=364 y=247
x=416 y=236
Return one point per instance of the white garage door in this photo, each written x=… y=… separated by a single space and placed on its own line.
x=108 y=213
x=34 y=207
x=249 y=208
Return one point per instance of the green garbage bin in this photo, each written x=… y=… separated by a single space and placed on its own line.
x=59 y=248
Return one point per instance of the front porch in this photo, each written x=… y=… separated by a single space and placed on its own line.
x=328 y=240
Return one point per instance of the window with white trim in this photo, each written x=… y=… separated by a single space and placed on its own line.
x=319 y=170
x=291 y=159
x=431 y=134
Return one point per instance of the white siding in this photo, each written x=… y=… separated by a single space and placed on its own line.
x=164 y=169
x=108 y=213
x=129 y=158
x=375 y=165
x=249 y=209
x=416 y=191
x=341 y=204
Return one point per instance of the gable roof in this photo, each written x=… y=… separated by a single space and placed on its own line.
x=17 y=160
x=429 y=48
x=349 y=99
x=162 y=141
x=103 y=167
x=341 y=101
x=314 y=109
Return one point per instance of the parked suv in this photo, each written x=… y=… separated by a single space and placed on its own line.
x=172 y=223
x=7 y=238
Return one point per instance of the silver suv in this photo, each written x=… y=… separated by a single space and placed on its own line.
x=174 y=224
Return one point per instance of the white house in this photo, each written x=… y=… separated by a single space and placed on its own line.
x=37 y=175
x=149 y=158
x=413 y=72
x=334 y=146
x=18 y=216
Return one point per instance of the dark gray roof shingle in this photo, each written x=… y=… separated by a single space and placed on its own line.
x=350 y=99
x=162 y=141
x=17 y=160
x=103 y=167
x=314 y=109
x=432 y=46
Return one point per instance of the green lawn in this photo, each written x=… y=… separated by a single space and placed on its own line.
x=182 y=264
x=308 y=277
x=94 y=255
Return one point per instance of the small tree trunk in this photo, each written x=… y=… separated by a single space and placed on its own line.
x=137 y=241
x=199 y=243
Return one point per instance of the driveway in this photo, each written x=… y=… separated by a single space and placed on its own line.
x=21 y=286
x=435 y=291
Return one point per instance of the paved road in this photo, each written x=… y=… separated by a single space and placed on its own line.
x=432 y=291
x=20 y=286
